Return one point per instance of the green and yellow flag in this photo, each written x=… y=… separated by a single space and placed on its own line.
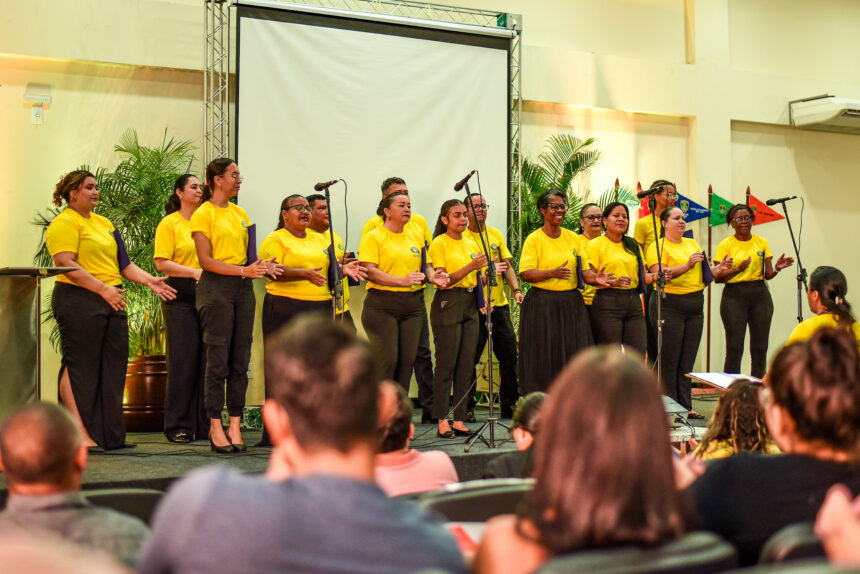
x=719 y=209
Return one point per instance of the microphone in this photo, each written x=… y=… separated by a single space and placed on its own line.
x=459 y=185
x=770 y=202
x=646 y=192
x=325 y=184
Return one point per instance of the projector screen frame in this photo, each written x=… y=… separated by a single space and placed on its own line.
x=219 y=24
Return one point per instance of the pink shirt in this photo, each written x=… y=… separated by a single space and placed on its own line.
x=414 y=471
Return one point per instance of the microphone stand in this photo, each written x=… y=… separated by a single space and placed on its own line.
x=801 y=271
x=337 y=288
x=660 y=288
x=488 y=321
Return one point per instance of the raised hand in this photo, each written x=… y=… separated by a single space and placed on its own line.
x=726 y=263
x=113 y=296
x=744 y=264
x=783 y=262
x=162 y=289
x=354 y=270
x=314 y=276
x=479 y=261
x=696 y=257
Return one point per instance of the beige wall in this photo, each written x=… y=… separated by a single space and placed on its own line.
x=693 y=90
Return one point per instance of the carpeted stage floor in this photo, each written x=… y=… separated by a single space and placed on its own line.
x=155 y=463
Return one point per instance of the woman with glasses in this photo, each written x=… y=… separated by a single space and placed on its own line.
x=616 y=312
x=225 y=300
x=553 y=320
x=746 y=299
x=302 y=259
x=590 y=227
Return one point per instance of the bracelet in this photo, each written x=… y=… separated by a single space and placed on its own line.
x=517 y=291
x=242 y=270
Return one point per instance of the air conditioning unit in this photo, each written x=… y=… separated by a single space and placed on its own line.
x=827 y=113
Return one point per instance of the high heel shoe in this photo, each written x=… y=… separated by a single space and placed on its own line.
x=228 y=449
x=239 y=447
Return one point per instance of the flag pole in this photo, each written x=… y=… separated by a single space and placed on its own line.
x=617 y=183
x=710 y=253
x=748 y=195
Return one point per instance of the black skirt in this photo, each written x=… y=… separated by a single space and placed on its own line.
x=553 y=327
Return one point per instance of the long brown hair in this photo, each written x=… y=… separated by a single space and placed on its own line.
x=603 y=461
x=739 y=419
x=443 y=212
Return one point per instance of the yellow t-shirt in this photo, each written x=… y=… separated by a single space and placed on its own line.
x=416 y=224
x=227 y=230
x=610 y=257
x=725 y=448
x=339 y=250
x=173 y=241
x=805 y=330
x=588 y=290
x=756 y=247
x=303 y=253
x=498 y=251
x=542 y=252
x=643 y=232
x=675 y=254
x=397 y=254
x=90 y=239
x=453 y=255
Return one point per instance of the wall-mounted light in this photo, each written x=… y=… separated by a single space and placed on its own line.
x=39 y=96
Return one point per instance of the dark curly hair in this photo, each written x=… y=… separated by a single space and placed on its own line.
x=736 y=208
x=738 y=419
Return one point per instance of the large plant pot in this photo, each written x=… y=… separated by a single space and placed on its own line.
x=143 y=399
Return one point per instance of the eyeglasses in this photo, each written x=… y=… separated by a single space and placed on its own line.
x=235 y=175
x=742 y=219
x=593 y=217
x=557 y=207
x=300 y=208
x=484 y=206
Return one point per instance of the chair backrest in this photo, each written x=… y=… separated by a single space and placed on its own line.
x=793 y=542
x=694 y=553
x=138 y=502
x=476 y=500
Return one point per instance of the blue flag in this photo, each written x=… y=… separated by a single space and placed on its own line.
x=692 y=210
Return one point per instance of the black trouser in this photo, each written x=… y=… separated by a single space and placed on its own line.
x=184 y=410
x=424 y=366
x=650 y=329
x=683 y=320
x=345 y=319
x=278 y=311
x=616 y=317
x=226 y=307
x=505 y=351
x=392 y=321
x=94 y=343
x=454 y=319
x=742 y=304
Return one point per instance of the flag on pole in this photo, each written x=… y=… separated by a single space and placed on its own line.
x=692 y=210
x=763 y=213
x=719 y=208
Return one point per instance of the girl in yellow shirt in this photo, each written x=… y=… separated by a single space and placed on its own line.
x=90 y=310
x=454 y=315
x=553 y=320
x=746 y=300
x=176 y=256
x=590 y=227
x=397 y=264
x=225 y=300
x=826 y=298
x=683 y=317
x=616 y=311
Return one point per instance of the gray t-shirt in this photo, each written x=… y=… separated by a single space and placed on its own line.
x=218 y=520
x=71 y=517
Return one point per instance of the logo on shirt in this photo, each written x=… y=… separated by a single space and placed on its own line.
x=494 y=246
x=415 y=251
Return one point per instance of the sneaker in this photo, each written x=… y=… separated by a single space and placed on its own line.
x=180 y=437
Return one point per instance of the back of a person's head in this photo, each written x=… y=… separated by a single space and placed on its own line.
x=817 y=383
x=603 y=461
x=39 y=444
x=527 y=414
x=738 y=418
x=395 y=433
x=323 y=376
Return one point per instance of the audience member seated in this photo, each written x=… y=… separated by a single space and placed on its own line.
x=329 y=517
x=401 y=470
x=40 y=553
x=737 y=425
x=811 y=399
x=603 y=469
x=43 y=456
x=518 y=464
x=838 y=527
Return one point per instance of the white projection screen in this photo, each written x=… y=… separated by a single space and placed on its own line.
x=324 y=96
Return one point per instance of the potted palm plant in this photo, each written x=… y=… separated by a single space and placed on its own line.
x=132 y=197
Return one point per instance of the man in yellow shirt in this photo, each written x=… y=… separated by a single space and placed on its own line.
x=423 y=365
x=504 y=338
x=643 y=233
